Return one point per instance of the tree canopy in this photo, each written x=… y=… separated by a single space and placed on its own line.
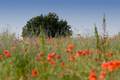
x=50 y=24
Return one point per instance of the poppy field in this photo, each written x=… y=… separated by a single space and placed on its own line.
x=62 y=58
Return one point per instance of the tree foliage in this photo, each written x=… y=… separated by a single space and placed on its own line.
x=51 y=25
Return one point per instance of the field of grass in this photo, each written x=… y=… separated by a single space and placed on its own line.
x=63 y=58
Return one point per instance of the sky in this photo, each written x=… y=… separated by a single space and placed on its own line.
x=80 y=14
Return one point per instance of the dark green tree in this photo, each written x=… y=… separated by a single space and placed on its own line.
x=50 y=24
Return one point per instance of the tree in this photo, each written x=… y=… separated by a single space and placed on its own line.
x=50 y=24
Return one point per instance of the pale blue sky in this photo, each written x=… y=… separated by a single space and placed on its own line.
x=16 y=13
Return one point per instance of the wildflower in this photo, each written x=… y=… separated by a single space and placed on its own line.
x=57 y=56
x=25 y=50
x=35 y=44
x=91 y=51
x=92 y=76
x=37 y=59
x=64 y=66
x=79 y=53
x=51 y=55
x=1 y=56
x=62 y=74
x=26 y=38
x=49 y=59
x=15 y=45
x=114 y=37
x=53 y=63
x=78 y=34
x=96 y=59
x=92 y=70
x=70 y=47
x=71 y=51
x=8 y=55
x=111 y=66
x=13 y=48
x=106 y=55
x=40 y=54
x=20 y=41
x=5 y=51
x=5 y=79
x=83 y=53
x=111 y=54
x=104 y=65
x=0 y=43
x=48 y=38
x=98 y=51
x=70 y=70
x=90 y=57
x=42 y=62
x=84 y=44
x=34 y=72
x=102 y=75
x=28 y=46
x=72 y=58
x=57 y=46
x=86 y=52
x=117 y=63
x=67 y=50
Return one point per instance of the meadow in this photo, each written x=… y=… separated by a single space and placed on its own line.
x=62 y=58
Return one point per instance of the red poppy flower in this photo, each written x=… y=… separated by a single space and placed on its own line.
x=72 y=58
x=106 y=55
x=102 y=75
x=98 y=51
x=5 y=79
x=67 y=51
x=71 y=51
x=34 y=72
x=104 y=65
x=57 y=46
x=111 y=54
x=64 y=66
x=90 y=57
x=35 y=44
x=37 y=59
x=1 y=56
x=53 y=63
x=49 y=59
x=78 y=54
x=62 y=74
x=51 y=55
x=78 y=34
x=70 y=69
x=92 y=76
x=70 y=46
x=92 y=70
x=42 y=62
x=25 y=50
x=13 y=48
x=5 y=51
x=111 y=66
x=96 y=59
x=40 y=54
x=91 y=51
x=117 y=63
x=8 y=55
x=57 y=56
